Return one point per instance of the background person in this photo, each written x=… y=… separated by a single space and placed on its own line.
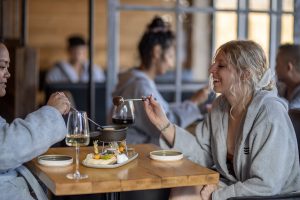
x=157 y=54
x=288 y=73
x=76 y=69
x=23 y=140
x=247 y=137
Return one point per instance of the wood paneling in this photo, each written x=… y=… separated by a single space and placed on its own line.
x=52 y=21
x=26 y=81
x=10 y=26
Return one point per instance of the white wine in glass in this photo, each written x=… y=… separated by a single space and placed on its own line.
x=78 y=135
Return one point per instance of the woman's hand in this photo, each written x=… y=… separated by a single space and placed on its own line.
x=200 y=96
x=159 y=119
x=155 y=112
x=59 y=101
x=207 y=191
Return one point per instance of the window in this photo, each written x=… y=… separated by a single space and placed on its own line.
x=201 y=27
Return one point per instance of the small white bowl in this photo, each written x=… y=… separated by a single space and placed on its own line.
x=55 y=160
x=166 y=155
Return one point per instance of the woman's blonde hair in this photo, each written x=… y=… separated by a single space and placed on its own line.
x=250 y=62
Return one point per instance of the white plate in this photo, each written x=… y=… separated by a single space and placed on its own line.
x=134 y=156
x=55 y=160
x=166 y=155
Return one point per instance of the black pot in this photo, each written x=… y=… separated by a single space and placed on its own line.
x=112 y=133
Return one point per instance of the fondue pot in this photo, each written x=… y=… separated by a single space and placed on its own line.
x=112 y=133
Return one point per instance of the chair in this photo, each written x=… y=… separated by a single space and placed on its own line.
x=295 y=118
x=80 y=93
x=293 y=196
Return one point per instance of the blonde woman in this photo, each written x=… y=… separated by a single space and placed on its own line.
x=248 y=136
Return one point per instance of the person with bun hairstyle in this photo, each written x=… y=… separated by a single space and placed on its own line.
x=157 y=54
x=247 y=137
x=24 y=139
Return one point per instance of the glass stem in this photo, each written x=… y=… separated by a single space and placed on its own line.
x=77 y=173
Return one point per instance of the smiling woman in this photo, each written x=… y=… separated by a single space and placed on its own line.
x=4 y=65
x=35 y=134
x=248 y=125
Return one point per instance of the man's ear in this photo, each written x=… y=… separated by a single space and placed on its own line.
x=290 y=66
x=156 y=53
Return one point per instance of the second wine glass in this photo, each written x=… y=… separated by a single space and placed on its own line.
x=123 y=113
x=78 y=135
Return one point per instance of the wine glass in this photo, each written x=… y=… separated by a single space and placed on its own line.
x=123 y=113
x=78 y=135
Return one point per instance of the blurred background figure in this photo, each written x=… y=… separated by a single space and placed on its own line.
x=288 y=74
x=75 y=69
x=157 y=55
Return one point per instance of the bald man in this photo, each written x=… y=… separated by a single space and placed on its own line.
x=288 y=73
x=25 y=139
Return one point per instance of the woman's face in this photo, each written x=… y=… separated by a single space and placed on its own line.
x=167 y=61
x=4 y=65
x=224 y=75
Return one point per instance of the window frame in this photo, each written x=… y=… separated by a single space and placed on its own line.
x=115 y=7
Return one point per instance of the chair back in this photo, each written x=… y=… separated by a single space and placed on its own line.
x=80 y=92
x=291 y=196
x=295 y=118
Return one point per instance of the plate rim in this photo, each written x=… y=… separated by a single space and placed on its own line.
x=57 y=163
x=165 y=157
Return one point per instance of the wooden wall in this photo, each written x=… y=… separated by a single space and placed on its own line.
x=50 y=22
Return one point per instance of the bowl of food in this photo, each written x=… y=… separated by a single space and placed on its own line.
x=111 y=133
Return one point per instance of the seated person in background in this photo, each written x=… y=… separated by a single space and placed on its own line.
x=76 y=69
x=247 y=137
x=23 y=140
x=288 y=73
x=156 y=50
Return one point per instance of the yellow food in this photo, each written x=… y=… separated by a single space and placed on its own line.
x=109 y=161
x=97 y=156
x=96 y=151
x=121 y=149
x=107 y=156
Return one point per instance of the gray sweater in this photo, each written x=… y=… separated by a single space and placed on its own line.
x=135 y=84
x=20 y=142
x=64 y=72
x=266 y=160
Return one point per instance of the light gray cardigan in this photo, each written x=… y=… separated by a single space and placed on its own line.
x=266 y=160
x=21 y=141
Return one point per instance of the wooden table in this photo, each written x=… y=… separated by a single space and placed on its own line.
x=140 y=174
